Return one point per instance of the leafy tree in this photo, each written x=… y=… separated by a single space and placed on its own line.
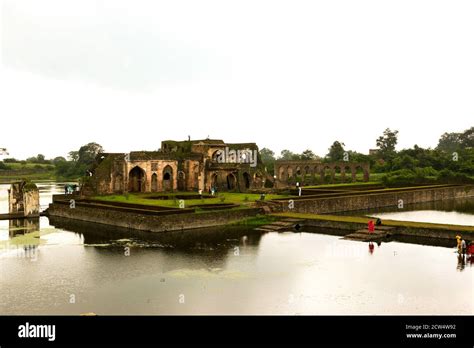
x=387 y=142
x=73 y=156
x=449 y=142
x=88 y=153
x=308 y=155
x=79 y=161
x=268 y=159
x=267 y=155
x=336 y=151
x=58 y=159
x=286 y=155
x=40 y=158
x=467 y=138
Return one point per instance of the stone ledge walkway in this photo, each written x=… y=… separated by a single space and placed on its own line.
x=285 y=224
x=364 y=235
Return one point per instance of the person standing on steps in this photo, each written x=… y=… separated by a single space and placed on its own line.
x=371 y=226
x=463 y=247
x=459 y=243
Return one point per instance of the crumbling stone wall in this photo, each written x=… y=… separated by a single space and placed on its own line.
x=178 y=166
x=23 y=198
x=310 y=171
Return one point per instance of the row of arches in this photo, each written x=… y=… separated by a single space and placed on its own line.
x=323 y=172
x=137 y=181
x=230 y=181
x=229 y=184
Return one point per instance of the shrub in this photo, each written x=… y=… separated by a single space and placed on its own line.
x=448 y=176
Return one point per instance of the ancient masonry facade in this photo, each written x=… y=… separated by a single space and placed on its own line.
x=191 y=165
x=23 y=198
x=310 y=172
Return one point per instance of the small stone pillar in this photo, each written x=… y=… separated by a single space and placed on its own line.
x=23 y=198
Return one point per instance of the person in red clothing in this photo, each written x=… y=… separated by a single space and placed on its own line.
x=371 y=226
x=371 y=247
x=470 y=248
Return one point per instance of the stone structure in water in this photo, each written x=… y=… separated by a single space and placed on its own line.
x=23 y=198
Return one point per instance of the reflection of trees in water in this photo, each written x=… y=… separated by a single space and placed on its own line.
x=209 y=245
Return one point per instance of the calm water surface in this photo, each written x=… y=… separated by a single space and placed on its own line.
x=74 y=268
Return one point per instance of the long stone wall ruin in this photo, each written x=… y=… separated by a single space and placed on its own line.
x=314 y=172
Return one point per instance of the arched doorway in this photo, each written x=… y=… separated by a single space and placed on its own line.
x=230 y=181
x=326 y=174
x=246 y=180
x=168 y=178
x=136 y=180
x=258 y=180
x=337 y=174
x=347 y=174
x=181 y=181
x=154 y=183
x=289 y=173
x=281 y=175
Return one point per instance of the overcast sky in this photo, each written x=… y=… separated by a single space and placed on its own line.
x=284 y=74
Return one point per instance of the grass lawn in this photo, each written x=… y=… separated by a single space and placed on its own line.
x=30 y=166
x=223 y=197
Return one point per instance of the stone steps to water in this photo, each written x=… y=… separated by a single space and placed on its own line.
x=264 y=229
x=366 y=236
x=279 y=225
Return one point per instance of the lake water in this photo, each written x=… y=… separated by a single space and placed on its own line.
x=76 y=268
x=452 y=211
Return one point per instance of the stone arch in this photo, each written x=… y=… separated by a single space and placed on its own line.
x=215 y=155
x=258 y=179
x=361 y=172
x=167 y=178
x=181 y=181
x=154 y=182
x=347 y=173
x=338 y=173
x=136 y=180
x=307 y=174
x=230 y=181
x=358 y=173
x=289 y=172
x=326 y=173
x=281 y=173
x=247 y=180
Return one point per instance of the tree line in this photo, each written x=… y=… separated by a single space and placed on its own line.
x=452 y=160
x=73 y=167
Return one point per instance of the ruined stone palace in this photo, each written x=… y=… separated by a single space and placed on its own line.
x=190 y=165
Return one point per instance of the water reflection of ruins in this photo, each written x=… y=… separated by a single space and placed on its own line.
x=22 y=226
x=204 y=244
